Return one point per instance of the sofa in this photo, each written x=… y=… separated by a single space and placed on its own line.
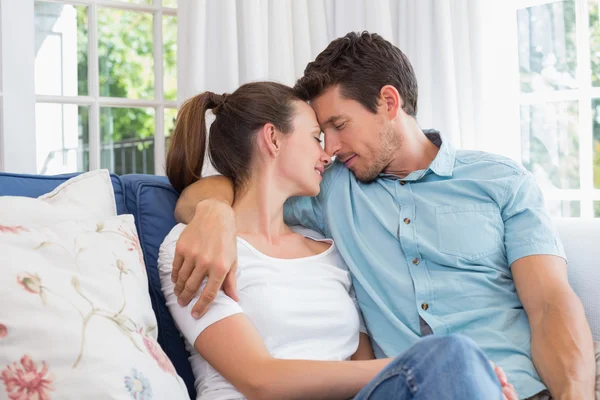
x=151 y=200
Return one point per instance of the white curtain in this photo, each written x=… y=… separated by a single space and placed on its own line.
x=225 y=43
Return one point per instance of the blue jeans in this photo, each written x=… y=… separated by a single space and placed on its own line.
x=436 y=368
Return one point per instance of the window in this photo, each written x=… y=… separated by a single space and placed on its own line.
x=105 y=83
x=559 y=64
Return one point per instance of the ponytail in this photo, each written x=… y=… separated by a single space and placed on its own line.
x=238 y=117
x=185 y=158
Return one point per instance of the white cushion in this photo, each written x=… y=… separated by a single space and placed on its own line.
x=580 y=239
x=88 y=195
x=76 y=320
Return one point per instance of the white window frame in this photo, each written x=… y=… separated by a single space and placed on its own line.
x=1 y=98
x=17 y=146
x=585 y=92
x=21 y=70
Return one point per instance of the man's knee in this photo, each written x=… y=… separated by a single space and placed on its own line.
x=455 y=347
x=460 y=343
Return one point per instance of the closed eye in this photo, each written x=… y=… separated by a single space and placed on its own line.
x=340 y=126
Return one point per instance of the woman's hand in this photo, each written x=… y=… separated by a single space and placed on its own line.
x=508 y=390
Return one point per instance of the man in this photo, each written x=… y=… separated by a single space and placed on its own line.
x=438 y=240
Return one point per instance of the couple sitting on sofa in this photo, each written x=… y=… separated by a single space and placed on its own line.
x=427 y=241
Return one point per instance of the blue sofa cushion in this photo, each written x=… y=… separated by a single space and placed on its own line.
x=151 y=200
x=37 y=185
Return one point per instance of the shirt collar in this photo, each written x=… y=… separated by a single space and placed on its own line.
x=443 y=163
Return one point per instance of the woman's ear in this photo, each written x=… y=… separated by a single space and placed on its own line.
x=270 y=139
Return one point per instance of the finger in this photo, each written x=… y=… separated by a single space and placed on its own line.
x=208 y=295
x=501 y=375
x=230 y=283
x=509 y=394
x=512 y=388
x=191 y=286
x=184 y=273
x=510 y=391
x=177 y=263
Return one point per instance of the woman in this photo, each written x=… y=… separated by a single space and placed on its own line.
x=296 y=331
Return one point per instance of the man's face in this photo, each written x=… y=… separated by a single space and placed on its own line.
x=363 y=141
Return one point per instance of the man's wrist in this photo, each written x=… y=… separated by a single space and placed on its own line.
x=213 y=204
x=576 y=393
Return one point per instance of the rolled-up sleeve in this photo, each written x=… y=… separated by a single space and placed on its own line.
x=222 y=307
x=528 y=228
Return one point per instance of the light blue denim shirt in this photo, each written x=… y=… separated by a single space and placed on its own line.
x=438 y=244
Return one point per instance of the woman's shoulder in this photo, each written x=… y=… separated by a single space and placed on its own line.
x=173 y=236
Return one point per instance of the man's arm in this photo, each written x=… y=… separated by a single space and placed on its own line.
x=207 y=247
x=216 y=187
x=561 y=344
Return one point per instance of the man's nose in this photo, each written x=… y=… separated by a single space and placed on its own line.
x=332 y=147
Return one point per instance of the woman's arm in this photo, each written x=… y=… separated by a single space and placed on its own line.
x=230 y=343
x=234 y=348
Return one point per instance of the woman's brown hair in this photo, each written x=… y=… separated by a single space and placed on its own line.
x=232 y=135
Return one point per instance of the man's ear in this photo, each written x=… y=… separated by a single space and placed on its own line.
x=270 y=139
x=392 y=101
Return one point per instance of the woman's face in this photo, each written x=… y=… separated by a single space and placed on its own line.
x=302 y=159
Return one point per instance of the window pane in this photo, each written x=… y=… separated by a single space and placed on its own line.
x=594 y=7
x=597 y=209
x=564 y=208
x=137 y=1
x=547 y=53
x=170 y=56
x=596 y=134
x=61 y=49
x=550 y=145
x=127 y=137
x=170 y=115
x=169 y=3
x=62 y=138
x=126 y=63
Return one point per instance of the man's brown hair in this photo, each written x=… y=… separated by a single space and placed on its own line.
x=361 y=64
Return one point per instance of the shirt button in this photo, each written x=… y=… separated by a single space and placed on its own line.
x=407 y=221
x=402 y=183
x=416 y=261
x=425 y=306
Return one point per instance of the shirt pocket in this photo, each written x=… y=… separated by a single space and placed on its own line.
x=470 y=231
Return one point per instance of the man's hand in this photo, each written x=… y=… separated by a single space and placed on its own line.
x=206 y=248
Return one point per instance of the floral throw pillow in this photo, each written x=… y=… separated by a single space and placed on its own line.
x=76 y=320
